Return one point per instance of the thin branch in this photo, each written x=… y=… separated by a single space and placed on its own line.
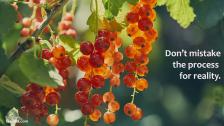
x=26 y=44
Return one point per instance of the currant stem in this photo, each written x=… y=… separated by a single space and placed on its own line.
x=74 y=5
x=86 y=121
x=133 y=95
x=56 y=109
x=27 y=44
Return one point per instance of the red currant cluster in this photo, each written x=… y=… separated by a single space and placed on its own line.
x=58 y=57
x=100 y=61
x=30 y=24
x=33 y=102
x=141 y=30
x=65 y=26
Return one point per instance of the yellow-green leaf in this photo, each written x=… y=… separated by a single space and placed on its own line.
x=180 y=10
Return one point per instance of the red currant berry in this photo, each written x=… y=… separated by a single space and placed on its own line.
x=81 y=97
x=97 y=81
x=96 y=60
x=84 y=84
x=132 y=17
x=130 y=66
x=144 y=24
x=102 y=44
x=46 y=54
x=129 y=80
x=96 y=100
x=103 y=33
x=53 y=98
x=130 y=109
x=87 y=109
x=86 y=48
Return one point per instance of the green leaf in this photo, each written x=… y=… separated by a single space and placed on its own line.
x=24 y=9
x=161 y=2
x=10 y=40
x=93 y=21
x=16 y=75
x=68 y=42
x=132 y=1
x=12 y=87
x=180 y=10
x=8 y=17
x=37 y=71
x=3 y=58
x=121 y=17
x=112 y=7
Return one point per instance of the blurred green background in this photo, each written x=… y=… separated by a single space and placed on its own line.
x=169 y=101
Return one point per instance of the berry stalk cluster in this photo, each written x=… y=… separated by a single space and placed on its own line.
x=101 y=60
x=140 y=29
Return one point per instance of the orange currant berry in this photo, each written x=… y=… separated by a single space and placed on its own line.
x=118 y=68
x=141 y=84
x=96 y=115
x=113 y=106
x=129 y=80
x=108 y=97
x=142 y=70
x=132 y=29
x=83 y=64
x=52 y=120
x=115 y=81
x=58 y=51
x=130 y=109
x=130 y=51
x=141 y=59
x=109 y=117
x=137 y=115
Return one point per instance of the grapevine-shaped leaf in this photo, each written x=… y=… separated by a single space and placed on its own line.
x=180 y=10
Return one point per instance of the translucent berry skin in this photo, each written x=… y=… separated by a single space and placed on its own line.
x=138 y=114
x=52 y=120
x=141 y=59
x=108 y=97
x=96 y=100
x=141 y=84
x=33 y=87
x=109 y=117
x=53 y=98
x=84 y=84
x=129 y=80
x=139 y=41
x=113 y=106
x=132 y=17
x=25 y=32
x=64 y=73
x=132 y=30
x=86 y=48
x=83 y=64
x=118 y=57
x=130 y=66
x=144 y=24
x=81 y=97
x=118 y=68
x=144 y=11
x=96 y=59
x=96 y=115
x=130 y=109
x=115 y=81
x=97 y=81
x=130 y=51
x=58 y=51
x=87 y=109
x=46 y=54
x=103 y=33
x=66 y=61
x=68 y=17
x=26 y=22
x=142 y=70
x=102 y=44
